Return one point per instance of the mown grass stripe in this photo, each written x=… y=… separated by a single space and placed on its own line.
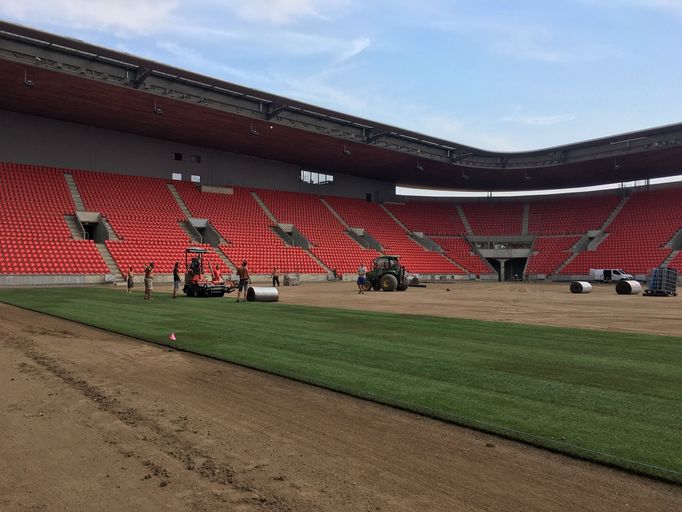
x=607 y=396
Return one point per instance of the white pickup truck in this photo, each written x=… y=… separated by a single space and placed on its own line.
x=607 y=275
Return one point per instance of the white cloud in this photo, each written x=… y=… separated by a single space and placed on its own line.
x=283 y=12
x=319 y=89
x=527 y=41
x=356 y=47
x=539 y=120
x=669 y=6
x=139 y=17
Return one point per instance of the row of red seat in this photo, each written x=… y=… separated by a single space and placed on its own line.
x=34 y=236
x=394 y=240
x=318 y=224
x=548 y=253
x=429 y=217
x=143 y=212
x=637 y=235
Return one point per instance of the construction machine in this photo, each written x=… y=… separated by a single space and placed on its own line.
x=387 y=274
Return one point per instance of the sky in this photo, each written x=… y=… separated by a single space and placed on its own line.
x=497 y=75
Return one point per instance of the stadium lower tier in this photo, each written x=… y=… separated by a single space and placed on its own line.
x=50 y=257
x=39 y=234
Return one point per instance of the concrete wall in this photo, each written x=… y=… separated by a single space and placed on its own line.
x=41 y=141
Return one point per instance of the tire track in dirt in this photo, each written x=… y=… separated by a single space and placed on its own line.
x=306 y=448
x=166 y=441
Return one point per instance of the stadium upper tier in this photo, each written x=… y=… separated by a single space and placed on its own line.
x=60 y=78
x=569 y=235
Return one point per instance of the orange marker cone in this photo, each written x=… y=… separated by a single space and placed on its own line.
x=172 y=336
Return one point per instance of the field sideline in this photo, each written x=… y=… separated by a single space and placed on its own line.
x=612 y=397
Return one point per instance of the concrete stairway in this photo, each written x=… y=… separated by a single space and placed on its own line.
x=670 y=257
x=73 y=224
x=318 y=261
x=178 y=199
x=455 y=263
x=614 y=213
x=111 y=264
x=191 y=233
x=265 y=208
x=75 y=195
x=395 y=219
x=596 y=241
x=526 y=217
x=464 y=220
x=110 y=230
x=335 y=213
x=565 y=263
x=223 y=257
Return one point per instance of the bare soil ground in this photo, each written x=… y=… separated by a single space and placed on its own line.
x=528 y=303
x=94 y=421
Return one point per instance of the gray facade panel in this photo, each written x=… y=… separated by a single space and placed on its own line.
x=41 y=141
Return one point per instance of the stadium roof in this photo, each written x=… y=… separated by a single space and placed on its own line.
x=66 y=79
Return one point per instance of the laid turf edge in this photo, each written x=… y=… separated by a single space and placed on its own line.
x=554 y=445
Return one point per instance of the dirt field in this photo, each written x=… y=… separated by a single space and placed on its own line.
x=529 y=303
x=94 y=421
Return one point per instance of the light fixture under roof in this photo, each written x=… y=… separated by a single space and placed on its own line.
x=27 y=81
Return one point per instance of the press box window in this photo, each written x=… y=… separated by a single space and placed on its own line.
x=195 y=159
x=177 y=157
x=195 y=179
x=176 y=176
x=316 y=178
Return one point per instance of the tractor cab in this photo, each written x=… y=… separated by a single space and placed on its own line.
x=201 y=279
x=387 y=274
x=383 y=263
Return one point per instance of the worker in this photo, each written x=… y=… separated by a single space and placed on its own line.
x=176 y=279
x=362 y=274
x=148 y=280
x=216 y=275
x=244 y=279
x=275 y=277
x=130 y=279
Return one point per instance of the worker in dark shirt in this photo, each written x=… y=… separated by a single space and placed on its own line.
x=176 y=279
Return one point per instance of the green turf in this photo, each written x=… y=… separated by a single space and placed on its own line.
x=608 y=396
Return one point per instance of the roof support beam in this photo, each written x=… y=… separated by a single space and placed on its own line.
x=459 y=157
x=374 y=137
x=273 y=110
x=140 y=77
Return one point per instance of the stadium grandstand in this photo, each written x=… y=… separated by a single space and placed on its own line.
x=109 y=161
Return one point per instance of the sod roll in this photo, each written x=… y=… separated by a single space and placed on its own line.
x=262 y=294
x=628 y=287
x=581 y=287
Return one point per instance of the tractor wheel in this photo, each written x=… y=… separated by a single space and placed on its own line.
x=389 y=282
x=367 y=286
x=194 y=291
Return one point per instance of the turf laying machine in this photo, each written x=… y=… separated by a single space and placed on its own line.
x=197 y=283
x=387 y=274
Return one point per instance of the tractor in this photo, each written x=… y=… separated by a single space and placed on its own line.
x=196 y=282
x=387 y=274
